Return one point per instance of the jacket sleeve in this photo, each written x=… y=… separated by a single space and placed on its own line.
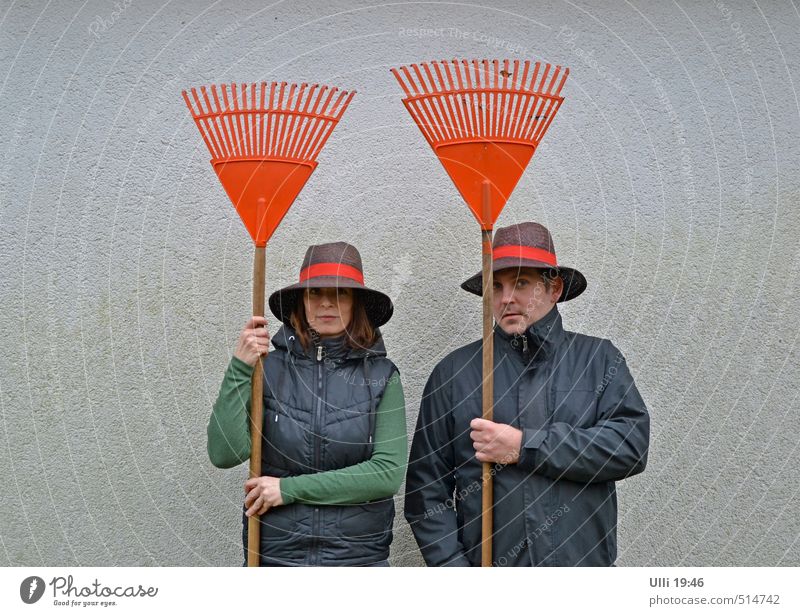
x=614 y=448
x=430 y=479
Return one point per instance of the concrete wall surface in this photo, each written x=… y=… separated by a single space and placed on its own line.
x=669 y=178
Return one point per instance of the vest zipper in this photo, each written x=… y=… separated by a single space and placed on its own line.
x=317 y=457
x=318 y=414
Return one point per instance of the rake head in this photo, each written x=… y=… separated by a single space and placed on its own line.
x=264 y=140
x=483 y=119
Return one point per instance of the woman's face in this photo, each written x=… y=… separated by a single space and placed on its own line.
x=328 y=311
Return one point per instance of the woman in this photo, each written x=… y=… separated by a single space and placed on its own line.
x=334 y=447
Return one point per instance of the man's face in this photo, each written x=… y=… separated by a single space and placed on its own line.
x=520 y=298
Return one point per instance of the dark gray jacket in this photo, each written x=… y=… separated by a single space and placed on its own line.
x=319 y=415
x=584 y=426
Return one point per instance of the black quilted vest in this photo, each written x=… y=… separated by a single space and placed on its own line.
x=319 y=415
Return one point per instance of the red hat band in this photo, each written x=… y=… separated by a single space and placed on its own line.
x=525 y=252
x=341 y=270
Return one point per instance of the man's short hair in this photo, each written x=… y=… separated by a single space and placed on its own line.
x=548 y=276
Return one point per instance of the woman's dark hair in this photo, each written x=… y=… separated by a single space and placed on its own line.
x=359 y=333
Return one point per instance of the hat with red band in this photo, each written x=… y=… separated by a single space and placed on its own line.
x=334 y=265
x=528 y=244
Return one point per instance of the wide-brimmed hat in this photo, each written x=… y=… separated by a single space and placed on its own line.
x=334 y=265
x=528 y=244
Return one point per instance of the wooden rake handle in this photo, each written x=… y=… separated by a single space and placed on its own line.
x=257 y=400
x=488 y=378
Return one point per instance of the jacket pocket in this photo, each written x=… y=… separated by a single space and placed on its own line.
x=279 y=522
x=365 y=521
x=287 y=441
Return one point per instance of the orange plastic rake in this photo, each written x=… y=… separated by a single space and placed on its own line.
x=264 y=140
x=484 y=120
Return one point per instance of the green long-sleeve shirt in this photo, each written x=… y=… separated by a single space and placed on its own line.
x=378 y=477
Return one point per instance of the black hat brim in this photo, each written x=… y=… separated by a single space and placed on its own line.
x=574 y=282
x=378 y=306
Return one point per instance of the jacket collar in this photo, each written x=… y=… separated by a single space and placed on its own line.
x=539 y=341
x=334 y=348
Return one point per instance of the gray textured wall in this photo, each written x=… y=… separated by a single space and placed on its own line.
x=669 y=178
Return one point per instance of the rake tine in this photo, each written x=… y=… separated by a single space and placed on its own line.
x=543 y=79
x=244 y=112
x=241 y=131
x=304 y=124
x=516 y=102
x=553 y=79
x=422 y=120
x=564 y=76
x=227 y=125
x=450 y=104
x=478 y=99
x=530 y=99
x=271 y=106
x=219 y=121
x=414 y=108
x=548 y=109
x=277 y=121
x=251 y=114
x=555 y=105
x=399 y=78
x=453 y=121
x=501 y=96
x=431 y=105
x=453 y=102
x=420 y=80
x=261 y=118
x=462 y=72
x=315 y=123
x=411 y=82
x=241 y=135
x=293 y=121
x=463 y=121
x=438 y=105
x=491 y=97
x=531 y=121
x=242 y=118
x=322 y=120
x=330 y=104
x=341 y=102
x=203 y=129
x=205 y=125
x=551 y=114
x=525 y=71
x=509 y=97
x=497 y=100
x=288 y=120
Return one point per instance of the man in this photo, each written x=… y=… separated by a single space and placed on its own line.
x=568 y=423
